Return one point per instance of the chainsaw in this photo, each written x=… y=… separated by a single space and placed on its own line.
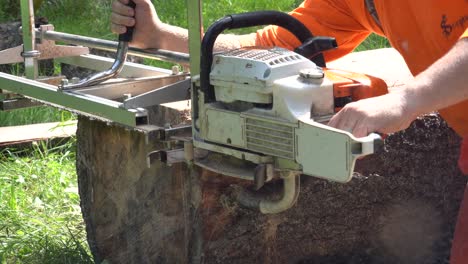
x=261 y=113
x=258 y=113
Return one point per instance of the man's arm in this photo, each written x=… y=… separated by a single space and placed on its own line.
x=443 y=84
x=150 y=32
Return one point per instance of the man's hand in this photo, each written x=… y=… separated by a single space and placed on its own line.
x=143 y=17
x=384 y=114
x=150 y=32
x=443 y=84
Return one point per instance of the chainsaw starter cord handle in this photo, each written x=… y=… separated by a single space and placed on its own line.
x=127 y=36
x=249 y=19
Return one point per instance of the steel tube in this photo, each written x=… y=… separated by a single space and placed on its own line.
x=291 y=186
x=29 y=41
x=115 y=69
x=165 y=55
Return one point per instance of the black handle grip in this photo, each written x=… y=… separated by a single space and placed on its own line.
x=127 y=36
x=264 y=18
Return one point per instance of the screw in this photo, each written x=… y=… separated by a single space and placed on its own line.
x=75 y=80
x=175 y=70
x=63 y=83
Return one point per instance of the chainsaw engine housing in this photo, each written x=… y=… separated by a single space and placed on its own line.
x=273 y=103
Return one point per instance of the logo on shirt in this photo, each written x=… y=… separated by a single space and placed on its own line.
x=447 y=28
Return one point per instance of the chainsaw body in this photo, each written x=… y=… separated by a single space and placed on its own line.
x=271 y=107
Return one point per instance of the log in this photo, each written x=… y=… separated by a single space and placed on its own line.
x=400 y=207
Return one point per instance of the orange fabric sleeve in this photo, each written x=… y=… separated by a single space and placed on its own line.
x=334 y=18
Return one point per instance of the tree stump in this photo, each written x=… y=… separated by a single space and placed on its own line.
x=400 y=207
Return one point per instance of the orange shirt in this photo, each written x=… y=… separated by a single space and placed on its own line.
x=421 y=30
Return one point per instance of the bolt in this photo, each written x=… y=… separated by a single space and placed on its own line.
x=175 y=70
x=75 y=80
x=63 y=83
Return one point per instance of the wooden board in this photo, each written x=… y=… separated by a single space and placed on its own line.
x=400 y=207
x=13 y=135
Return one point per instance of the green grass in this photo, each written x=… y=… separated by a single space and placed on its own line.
x=33 y=115
x=374 y=41
x=40 y=219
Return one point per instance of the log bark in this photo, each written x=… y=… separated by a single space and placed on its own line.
x=400 y=207
x=124 y=202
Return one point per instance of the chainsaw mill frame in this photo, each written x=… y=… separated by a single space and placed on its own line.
x=103 y=101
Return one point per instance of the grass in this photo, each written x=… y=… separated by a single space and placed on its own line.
x=40 y=218
x=33 y=115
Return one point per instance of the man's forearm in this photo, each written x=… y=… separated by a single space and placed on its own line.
x=443 y=84
x=171 y=37
x=176 y=38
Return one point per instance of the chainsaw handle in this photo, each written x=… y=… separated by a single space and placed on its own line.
x=128 y=35
x=372 y=143
x=264 y=18
x=249 y=19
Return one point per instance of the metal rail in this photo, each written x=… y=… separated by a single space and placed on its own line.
x=160 y=54
x=29 y=41
x=89 y=105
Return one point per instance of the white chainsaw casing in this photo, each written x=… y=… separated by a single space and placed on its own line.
x=274 y=102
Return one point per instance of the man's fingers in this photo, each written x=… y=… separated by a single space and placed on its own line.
x=360 y=130
x=118 y=29
x=343 y=120
x=122 y=20
x=349 y=121
x=122 y=9
x=334 y=120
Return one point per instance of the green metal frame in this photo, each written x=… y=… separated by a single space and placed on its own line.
x=29 y=39
x=195 y=30
x=74 y=101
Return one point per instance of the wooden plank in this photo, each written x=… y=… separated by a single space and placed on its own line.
x=13 y=135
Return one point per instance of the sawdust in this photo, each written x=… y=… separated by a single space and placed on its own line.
x=409 y=231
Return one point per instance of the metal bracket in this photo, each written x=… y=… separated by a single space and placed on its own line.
x=170 y=93
x=174 y=141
